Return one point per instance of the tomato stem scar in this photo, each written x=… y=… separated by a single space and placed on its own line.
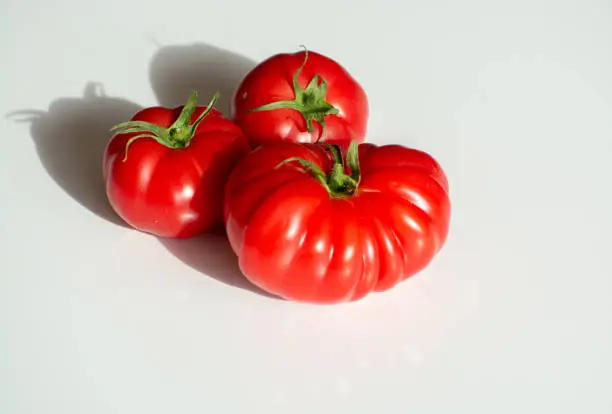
x=337 y=182
x=177 y=136
x=310 y=102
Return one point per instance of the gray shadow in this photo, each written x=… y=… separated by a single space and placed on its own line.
x=212 y=255
x=178 y=69
x=70 y=139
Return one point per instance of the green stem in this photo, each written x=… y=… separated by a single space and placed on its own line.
x=310 y=102
x=336 y=152
x=177 y=136
x=337 y=183
x=352 y=160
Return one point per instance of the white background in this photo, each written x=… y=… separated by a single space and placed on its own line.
x=513 y=98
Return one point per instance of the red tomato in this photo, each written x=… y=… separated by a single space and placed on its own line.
x=302 y=97
x=308 y=228
x=165 y=170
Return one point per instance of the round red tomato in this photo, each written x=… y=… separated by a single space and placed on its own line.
x=308 y=228
x=302 y=97
x=165 y=170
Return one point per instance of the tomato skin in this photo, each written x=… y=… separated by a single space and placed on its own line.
x=168 y=192
x=295 y=241
x=272 y=80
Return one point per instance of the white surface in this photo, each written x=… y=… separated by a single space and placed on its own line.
x=513 y=98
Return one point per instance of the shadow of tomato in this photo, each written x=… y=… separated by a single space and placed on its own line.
x=177 y=70
x=70 y=139
x=212 y=255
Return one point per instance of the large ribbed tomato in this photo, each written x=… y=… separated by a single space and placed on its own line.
x=312 y=227
x=302 y=97
x=166 y=168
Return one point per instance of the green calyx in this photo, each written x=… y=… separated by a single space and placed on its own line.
x=337 y=182
x=177 y=136
x=310 y=102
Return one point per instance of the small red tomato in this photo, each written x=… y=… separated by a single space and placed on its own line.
x=316 y=228
x=166 y=168
x=303 y=97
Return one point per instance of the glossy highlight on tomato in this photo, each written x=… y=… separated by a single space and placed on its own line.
x=165 y=170
x=302 y=97
x=311 y=224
